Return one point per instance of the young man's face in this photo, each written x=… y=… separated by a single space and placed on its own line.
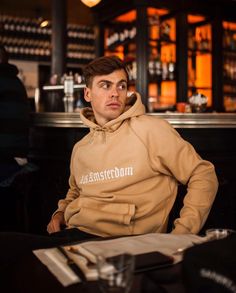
x=107 y=95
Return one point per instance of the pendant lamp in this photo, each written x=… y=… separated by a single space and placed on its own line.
x=90 y=3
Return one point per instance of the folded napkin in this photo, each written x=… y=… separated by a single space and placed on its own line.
x=57 y=265
x=168 y=248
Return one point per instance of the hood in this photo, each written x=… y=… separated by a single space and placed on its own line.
x=7 y=69
x=134 y=108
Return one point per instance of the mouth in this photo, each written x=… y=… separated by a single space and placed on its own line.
x=114 y=105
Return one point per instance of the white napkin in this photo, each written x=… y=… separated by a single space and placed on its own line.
x=57 y=264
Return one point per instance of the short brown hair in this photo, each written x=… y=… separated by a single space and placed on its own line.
x=101 y=66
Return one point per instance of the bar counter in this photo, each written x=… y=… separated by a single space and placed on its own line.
x=185 y=120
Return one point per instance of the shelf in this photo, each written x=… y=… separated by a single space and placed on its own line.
x=229 y=52
x=163 y=108
x=113 y=47
x=230 y=94
x=162 y=41
x=158 y=81
x=199 y=52
x=229 y=82
x=200 y=87
x=24 y=39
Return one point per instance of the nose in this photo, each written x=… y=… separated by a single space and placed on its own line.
x=114 y=92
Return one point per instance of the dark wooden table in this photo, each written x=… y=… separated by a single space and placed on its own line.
x=22 y=272
x=28 y=275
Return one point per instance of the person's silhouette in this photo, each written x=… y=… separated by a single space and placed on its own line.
x=14 y=131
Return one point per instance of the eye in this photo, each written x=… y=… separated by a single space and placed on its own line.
x=122 y=86
x=105 y=85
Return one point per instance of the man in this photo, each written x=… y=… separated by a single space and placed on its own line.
x=125 y=172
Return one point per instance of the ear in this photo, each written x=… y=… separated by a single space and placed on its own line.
x=87 y=94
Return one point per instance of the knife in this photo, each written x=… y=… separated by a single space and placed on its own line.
x=73 y=265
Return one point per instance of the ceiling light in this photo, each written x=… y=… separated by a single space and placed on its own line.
x=90 y=3
x=44 y=23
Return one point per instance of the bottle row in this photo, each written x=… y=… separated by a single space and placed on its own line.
x=159 y=29
x=27 y=49
x=81 y=35
x=41 y=51
x=33 y=28
x=230 y=103
x=80 y=57
x=25 y=39
x=199 y=40
x=158 y=69
x=229 y=40
x=74 y=78
x=229 y=89
x=119 y=36
x=23 y=26
x=162 y=69
x=229 y=71
x=127 y=32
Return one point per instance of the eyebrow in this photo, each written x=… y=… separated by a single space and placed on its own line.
x=108 y=81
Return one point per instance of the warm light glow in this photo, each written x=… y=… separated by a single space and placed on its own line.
x=90 y=3
x=168 y=93
x=195 y=18
x=44 y=23
x=229 y=25
x=127 y=17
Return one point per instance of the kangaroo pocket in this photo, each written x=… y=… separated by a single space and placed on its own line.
x=89 y=213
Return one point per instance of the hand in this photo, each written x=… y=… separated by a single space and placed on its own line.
x=56 y=223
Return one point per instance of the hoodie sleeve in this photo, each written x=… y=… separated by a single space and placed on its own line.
x=174 y=156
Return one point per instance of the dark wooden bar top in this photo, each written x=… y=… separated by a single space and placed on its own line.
x=178 y=120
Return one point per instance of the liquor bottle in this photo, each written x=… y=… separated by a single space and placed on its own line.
x=132 y=32
x=134 y=70
x=232 y=41
x=165 y=31
x=171 y=68
x=151 y=68
x=226 y=69
x=200 y=41
x=227 y=38
x=164 y=68
x=154 y=26
x=204 y=43
x=191 y=40
x=158 y=67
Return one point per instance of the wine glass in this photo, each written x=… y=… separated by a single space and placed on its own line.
x=218 y=233
x=115 y=273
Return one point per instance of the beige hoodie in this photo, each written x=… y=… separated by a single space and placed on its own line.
x=125 y=174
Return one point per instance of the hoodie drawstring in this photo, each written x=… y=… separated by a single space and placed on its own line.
x=98 y=131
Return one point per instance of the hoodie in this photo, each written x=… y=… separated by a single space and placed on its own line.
x=125 y=174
